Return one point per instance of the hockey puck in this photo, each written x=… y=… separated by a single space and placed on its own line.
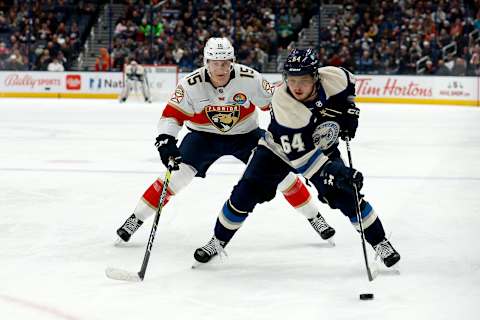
x=366 y=296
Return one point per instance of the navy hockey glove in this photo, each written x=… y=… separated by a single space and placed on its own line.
x=339 y=176
x=349 y=122
x=167 y=147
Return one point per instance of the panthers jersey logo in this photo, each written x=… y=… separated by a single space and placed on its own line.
x=223 y=118
x=326 y=134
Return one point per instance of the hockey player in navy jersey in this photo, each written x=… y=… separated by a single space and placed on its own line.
x=218 y=104
x=311 y=110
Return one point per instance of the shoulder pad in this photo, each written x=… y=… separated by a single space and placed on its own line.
x=334 y=80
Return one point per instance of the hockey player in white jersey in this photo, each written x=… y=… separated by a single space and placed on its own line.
x=311 y=110
x=135 y=77
x=217 y=103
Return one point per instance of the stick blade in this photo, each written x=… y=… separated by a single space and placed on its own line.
x=122 y=275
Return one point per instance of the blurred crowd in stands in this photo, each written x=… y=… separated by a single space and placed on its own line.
x=376 y=37
x=43 y=35
x=179 y=31
x=405 y=37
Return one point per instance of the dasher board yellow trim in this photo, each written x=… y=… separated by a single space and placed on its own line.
x=58 y=95
x=471 y=103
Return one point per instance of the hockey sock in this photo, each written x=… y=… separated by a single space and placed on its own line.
x=297 y=194
x=368 y=216
x=372 y=226
x=148 y=204
x=375 y=233
x=228 y=222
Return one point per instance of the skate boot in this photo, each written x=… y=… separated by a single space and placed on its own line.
x=321 y=227
x=208 y=251
x=129 y=227
x=387 y=253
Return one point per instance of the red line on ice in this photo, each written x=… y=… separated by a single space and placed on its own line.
x=39 y=307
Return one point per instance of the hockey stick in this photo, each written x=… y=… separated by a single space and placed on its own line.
x=359 y=215
x=119 y=274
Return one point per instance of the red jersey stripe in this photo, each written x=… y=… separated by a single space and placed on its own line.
x=201 y=118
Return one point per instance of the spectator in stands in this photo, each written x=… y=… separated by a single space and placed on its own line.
x=365 y=63
x=15 y=62
x=120 y=28
x=43 y=61
x=119 y=54
x=459 y=67
x=284 y=31
x=102 y=63
x=296 y=19
x=4 y=25
x=55 y=65
x=429 y=68
x=442 y=69
x=474 y=63
x=4 y=51
x=476 y=23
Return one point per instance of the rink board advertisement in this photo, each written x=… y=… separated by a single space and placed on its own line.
x=61 y=84
x=383 y=89
x=428 y=90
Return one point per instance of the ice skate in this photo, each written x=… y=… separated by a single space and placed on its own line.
x=323 y=228
x=127 y=229
x=213 y=248
x=387 y=253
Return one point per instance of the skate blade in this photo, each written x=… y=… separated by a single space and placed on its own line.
x=379 y=268
x=331 y=242
x=216 y=260
x=119 y=242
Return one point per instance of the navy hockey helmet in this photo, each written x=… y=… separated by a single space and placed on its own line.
x=301 y=62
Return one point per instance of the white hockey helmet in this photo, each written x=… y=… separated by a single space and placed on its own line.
x=218 y=49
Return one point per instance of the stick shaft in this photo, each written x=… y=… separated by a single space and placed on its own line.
x=359 y=215
x=146 y=257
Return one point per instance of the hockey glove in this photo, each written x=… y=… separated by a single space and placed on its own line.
x=339 y=176
x=349 y=122
x=167 y=147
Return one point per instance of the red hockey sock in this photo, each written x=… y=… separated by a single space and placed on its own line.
x=152 y=195
x=297 y=195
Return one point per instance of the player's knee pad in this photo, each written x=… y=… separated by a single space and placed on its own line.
x=181 y=177
x=294 y=190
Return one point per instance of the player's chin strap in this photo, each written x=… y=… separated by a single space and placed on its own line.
x=358 y=212
x=229 y=70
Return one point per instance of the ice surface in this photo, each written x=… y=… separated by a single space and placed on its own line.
x=71 y=171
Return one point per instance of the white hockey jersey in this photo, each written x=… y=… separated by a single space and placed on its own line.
x=225 y=110
x=134 y=72
x=137 y=69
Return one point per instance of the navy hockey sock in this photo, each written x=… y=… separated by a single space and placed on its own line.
x=375 y=233
x=228 y=222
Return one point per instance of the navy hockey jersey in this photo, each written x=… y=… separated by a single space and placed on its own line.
x=304 y=134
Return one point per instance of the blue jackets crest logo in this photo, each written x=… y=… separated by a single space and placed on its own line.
x=326 y=134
